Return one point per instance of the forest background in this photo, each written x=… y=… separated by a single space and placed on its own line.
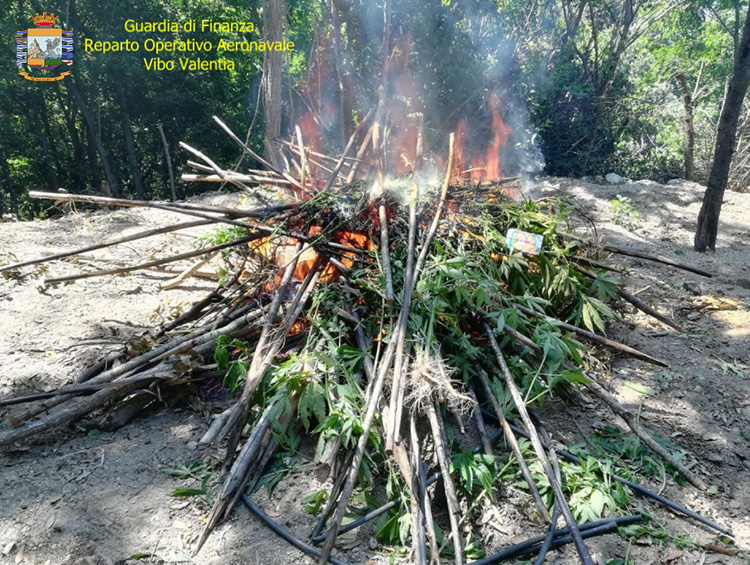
x=589 y=86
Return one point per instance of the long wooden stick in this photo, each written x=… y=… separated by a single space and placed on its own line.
x=294 y=182
x=373 y=404
x=410 y=282
x=632 y=421
x=133 y=237
x=253 y=174
x=646 y=308
x=418 y=493
x=639 y=255
x=476 y=414
x=638 y=303
x=394 y=424
x=243 y=178
x=302 y=155
x=556 y=511
x=360 y=153
x=657 y=259
x=428 y=519
x=238 y=476
x=450 y=489
x=260 y=213
x=438 y=211
x=156 y=262
x=218 y=170
x=385 y=252
x=510 y=437
x=594 y=337
x=192 y=341
x=262 y=358
x=76 y=390
x=72 y=409
x=168 y=159
x=349 y=145
x=536 y=442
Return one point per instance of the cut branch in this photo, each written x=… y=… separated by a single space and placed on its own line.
x=594 y=337
x=536 y=442
x=157 y=262
x=133 y=237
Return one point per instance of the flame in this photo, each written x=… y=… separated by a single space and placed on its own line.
x=402 y=110
x=500 y=135
x=481 y=166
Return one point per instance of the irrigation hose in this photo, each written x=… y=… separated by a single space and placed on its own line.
x=286 y=534
x=562 y=537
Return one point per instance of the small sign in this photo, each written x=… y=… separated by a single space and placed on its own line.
x=524 y=241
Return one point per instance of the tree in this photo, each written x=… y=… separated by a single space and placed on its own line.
x=689 y=98
x=273 y=21
x=708 y=218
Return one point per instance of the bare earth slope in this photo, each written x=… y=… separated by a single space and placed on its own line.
x=67 y=498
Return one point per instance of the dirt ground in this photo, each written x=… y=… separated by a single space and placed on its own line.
x=77 y=497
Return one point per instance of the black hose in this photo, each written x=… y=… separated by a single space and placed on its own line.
x=561 y=537
x=320 y=538
x=637 y=488
x=286 y=534
x=547 y=539
x=565 y=455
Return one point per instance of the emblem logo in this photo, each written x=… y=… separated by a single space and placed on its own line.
x=44 y=53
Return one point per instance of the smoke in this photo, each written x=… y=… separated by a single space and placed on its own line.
x=449 y=62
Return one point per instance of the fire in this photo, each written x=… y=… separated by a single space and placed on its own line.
x=481 y=167
x=402 y=121
x=480 y=137
x=500 y=135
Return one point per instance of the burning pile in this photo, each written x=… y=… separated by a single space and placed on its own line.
x=368 y=308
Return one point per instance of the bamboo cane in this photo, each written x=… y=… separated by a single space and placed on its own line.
x=639 y=255
x=638 y=303
x=294 y=182
x=450 y=490
x=418 y=493
x=538 y=448
x=218 y=170
x=156 y=262
x=133 y=237
x=594 y=337
x=349 y=145
x=513 y=443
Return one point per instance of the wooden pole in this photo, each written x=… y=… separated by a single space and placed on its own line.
x=536 y=442
x=169 y=161
x=263 y=212
x=149 y=264
x=135 y=236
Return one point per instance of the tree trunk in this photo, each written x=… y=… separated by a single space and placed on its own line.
x=273 y=31
x=7 y=183
x=91 y=129
x=689 y=140
x=168 y=160
x=346 y=120
x=79 y=158
x=127 y=131
x=708 y=218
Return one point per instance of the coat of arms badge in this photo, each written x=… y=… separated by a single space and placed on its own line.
x=44 y=53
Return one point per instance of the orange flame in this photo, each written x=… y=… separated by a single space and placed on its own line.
x=481 y=167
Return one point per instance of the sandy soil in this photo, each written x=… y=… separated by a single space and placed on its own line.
x=72 y=497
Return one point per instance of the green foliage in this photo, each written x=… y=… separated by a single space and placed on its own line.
x=232 y=357
x=206 y=473
x=474 y=470
x=313 y=501
x=623 y=212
